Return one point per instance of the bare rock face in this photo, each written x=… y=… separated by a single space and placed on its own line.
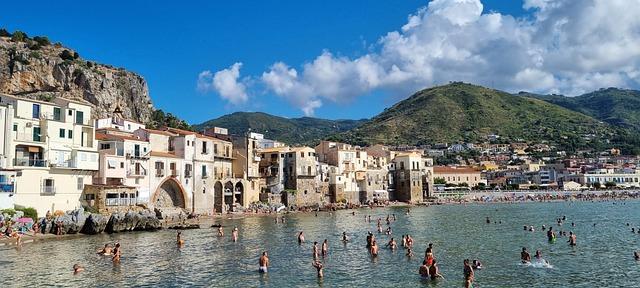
x=42 y=73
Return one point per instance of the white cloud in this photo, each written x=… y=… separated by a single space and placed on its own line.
x=566 y=46
x=225 y=83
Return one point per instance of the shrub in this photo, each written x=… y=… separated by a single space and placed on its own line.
x=8 y=211
x=19 y=36
x=29 y=212
x=42 y=40
x=66 y=55
x=76 y=55
x=4 y=33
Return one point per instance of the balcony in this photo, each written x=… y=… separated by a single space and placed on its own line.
x=48 y=190
x=30 y=162
x=29 y=137
x=205 y=176
x=121 y=201
x=136 y=173
x=71 y=163
x=6 y=187
x=137 y=156
x=159 y=172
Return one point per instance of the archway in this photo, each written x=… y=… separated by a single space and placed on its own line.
x=169 y=194
x=228 y=194
x=218 y=196
x=239 y=193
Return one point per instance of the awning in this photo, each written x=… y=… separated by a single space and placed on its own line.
x=34 y=149
x=112 y=163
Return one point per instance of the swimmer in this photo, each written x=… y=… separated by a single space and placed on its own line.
x=263 y=262
x=572 y=239
x=424 y=270
x=388 y=230
x=344 y=237
x=468 y=274
x=434 y=271
x=106 y=250
x=409 y=253
x=374 y=249
x=77 y=269
x=636 y=255
x=325 y=248
x=539 y=257
x=477 y=265
x=370 y=239
x=525 y=257
x=488 y=220
x=234 y=234
x=404 y=241
x=319 y=267
x=531 y=229
x=409 y=241
x=301 y=237
x=428 y=256
x=179 y=239
x=221 y=232
x=551 y=236
x=315 y=250
x=116 y=254
x=392 y=244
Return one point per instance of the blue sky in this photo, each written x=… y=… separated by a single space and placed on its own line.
x=169 y=44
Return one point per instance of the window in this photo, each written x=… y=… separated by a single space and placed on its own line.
x=15 y=127
x=204 y=171
x=301 y=154
x=215 y=148
x=70 y=134
x=121 y=164
x=187 y=170
x=89 y=197
x=70 y=112
x=56 y=114
x=36 y=111
x=159 y=169
x=103 y=146
x=204 y=147
x=79 y=117
x=80 y=183
x=36 y=134
x=62 y=133
x=48 y=186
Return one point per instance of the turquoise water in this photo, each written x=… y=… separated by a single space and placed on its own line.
x=603 y=257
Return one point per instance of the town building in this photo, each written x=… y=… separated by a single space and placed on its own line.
x=411 y=176
x=457 y=175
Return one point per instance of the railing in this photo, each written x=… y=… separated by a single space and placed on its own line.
x=66 y=164
x=136 y=173
x=29 y=137
x=6 y=187
x=30 y=162
x=120 y=201
x=48 y=190
x=187 y=174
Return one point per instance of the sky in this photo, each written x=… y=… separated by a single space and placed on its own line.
x=342 y=59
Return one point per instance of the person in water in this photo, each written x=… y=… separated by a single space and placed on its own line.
x=106 y=250
x=468 y=274
x=77 y=268
x=488 y=220
x=572 y=239
x=319 y=267
x=179 y=239
x=344 y=237
x=374 y=249
x=424 y=270
x=428 y=256
x=221 y=232
x=263 y=262
x=234 y=234
x=538 y=257
x=525 y=256
x=636 y=255
x=477 y=265
x=301 y=237
x=116 y=254
x=325 y=248
x=409 y=253
x=551 y=236
x=392 y=244
x=434 y=271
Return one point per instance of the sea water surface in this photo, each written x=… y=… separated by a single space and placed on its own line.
x=602 y=258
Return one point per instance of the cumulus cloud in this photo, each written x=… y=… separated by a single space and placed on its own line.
x=225 y=83
x=565 y=46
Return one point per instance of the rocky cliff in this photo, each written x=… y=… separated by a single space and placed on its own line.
x=37 y=69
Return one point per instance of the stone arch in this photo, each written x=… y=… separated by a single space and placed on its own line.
x=239 y=193
x=218 y=197
x=170 y=193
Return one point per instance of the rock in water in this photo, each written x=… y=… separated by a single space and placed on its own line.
x=133 y=221
x=95 y=224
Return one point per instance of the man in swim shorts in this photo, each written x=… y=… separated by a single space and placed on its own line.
x=263 y=262
x=525 y=256
x=424 y=270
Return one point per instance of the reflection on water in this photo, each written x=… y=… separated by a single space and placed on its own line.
x=603 y=257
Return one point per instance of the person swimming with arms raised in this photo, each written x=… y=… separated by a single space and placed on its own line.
x=525 y=257
x=106 y=251
x=263 y=262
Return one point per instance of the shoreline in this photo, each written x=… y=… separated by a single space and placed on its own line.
x=207 y=221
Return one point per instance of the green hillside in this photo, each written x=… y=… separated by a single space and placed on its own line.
x=463 y=112
x=293 y=131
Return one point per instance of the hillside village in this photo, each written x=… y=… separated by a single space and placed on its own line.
x=55 y=157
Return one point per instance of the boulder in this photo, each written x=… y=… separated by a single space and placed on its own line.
x=95 y=224
x=133 y=221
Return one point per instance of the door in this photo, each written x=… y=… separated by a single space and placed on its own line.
x=136 y=150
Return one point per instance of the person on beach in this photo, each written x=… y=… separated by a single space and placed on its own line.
x=468 y=274
x=263 y=263
x=424 y=270
x=106 y=250
x=525 y=257
x=221 y=232
x=572 y=239
x=434 y=271
x=116 y=254
x=319 y=267
x=344 y=237
x=392 y=244
x=325 y=248
x=234 y=234
x=77 y=269
x=179 y=239
x=315 y=250
x=301 y=237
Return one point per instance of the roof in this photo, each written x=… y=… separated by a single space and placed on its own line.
x=274 y=149
x=454 y=170
x=178 y=131
x=114 y=137
x=165 y=133
x=163 y=154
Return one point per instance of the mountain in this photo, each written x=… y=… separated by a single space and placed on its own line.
x=618 y=107
x=460 y=112
x=293 y=131
x=33 y=67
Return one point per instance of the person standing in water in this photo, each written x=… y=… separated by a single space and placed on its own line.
x=325 y=248
x=263 y=262
x=468 y=274
x=179 y=239
x=409 y=253
x=234 y=234
x=116 y=254
x=344 y=237
x=374 y=249
x=572 y=239
x=77 y=269
x=221 y=232
x=392 y=244
x=315 y=250
x=551 y=236
x=424 y=270
x=301 y=237
x=319 y=267
x=434 y=271
x=636 y=255
x=525 y=257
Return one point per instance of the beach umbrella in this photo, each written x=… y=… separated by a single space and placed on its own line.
x=24 y=220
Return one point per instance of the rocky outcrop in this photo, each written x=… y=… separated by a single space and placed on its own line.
x=133 y=221
x=70 y=223
x=95 y=224
x=40 y=72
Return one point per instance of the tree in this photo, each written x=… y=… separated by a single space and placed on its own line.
x=4 y=33
x=610 y=185
x=66 y=55
x=463 y=184
x=19 y=36
x=42 y=40
x=597 y=185
x=439 y=180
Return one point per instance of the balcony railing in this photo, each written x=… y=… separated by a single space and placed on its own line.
x=71 y=163
x=120 y=201
x=48 y=190
x=30 y=162
x=6 y=187
x=29 y=137
x=136 y=173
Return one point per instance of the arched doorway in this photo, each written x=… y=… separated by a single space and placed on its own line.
x=218 y=197
x=169 y=194
x=228 y=194
x=239 y=193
